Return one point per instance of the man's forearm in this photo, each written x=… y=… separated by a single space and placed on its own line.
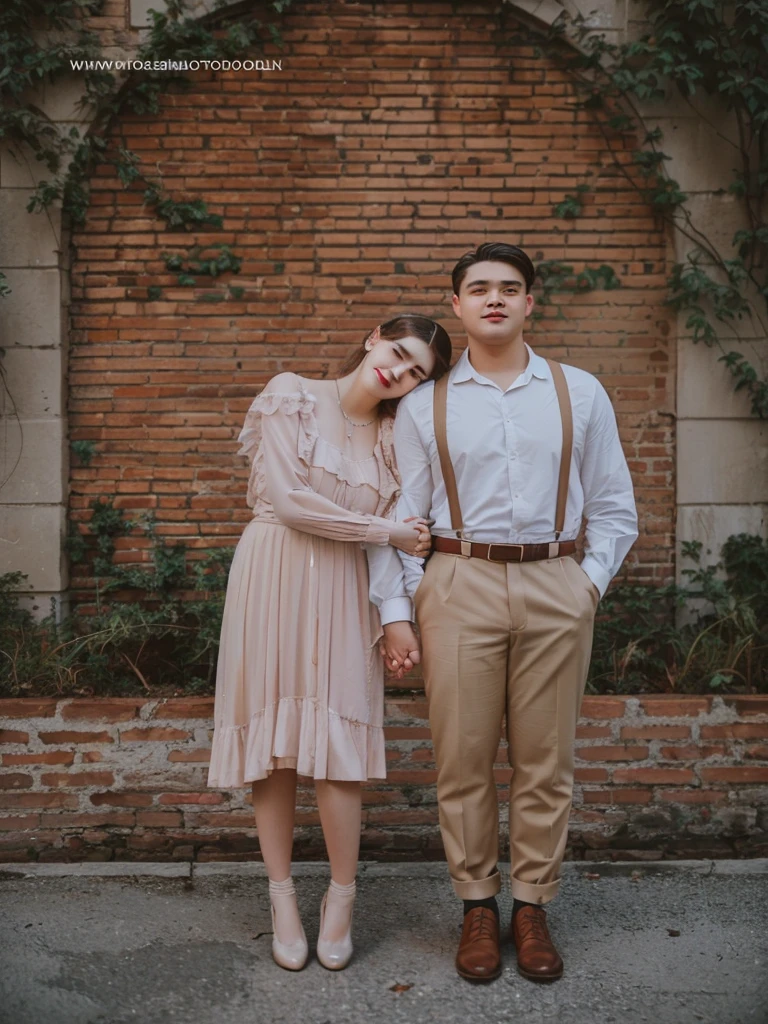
x=387 y=584
x=413 y=571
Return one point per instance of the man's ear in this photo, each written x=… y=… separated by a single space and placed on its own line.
x=530 y=302
x=456 y=305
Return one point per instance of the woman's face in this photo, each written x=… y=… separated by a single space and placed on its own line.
x=393 y=368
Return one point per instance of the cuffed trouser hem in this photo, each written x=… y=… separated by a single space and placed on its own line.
x=530 y=893
x=478 y=888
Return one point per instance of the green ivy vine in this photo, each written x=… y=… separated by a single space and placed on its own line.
x=558 y=278
x=717 y=47
x=39 y=42
x=720 y=49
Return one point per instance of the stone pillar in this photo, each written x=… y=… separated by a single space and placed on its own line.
x=34 y=463
x=722 y=448
x=34 y=332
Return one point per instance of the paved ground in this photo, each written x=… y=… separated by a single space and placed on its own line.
x=195 y=948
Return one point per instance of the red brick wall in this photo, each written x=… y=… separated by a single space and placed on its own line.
x=396 y=136
x=657 y=777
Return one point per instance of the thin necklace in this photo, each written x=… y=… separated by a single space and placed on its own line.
x=351 y=423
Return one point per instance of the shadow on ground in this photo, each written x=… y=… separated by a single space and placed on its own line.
x=671 y=946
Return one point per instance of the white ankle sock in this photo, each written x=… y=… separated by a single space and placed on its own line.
x=287 y=921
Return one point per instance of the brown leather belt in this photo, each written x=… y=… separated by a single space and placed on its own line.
x=504 y=552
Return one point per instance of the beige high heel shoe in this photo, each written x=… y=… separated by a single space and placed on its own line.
x=290 y=955
x=336 y=955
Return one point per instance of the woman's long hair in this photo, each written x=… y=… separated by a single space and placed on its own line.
x=407 y=325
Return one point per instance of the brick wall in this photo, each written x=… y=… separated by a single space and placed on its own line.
x=396 y=136
x=657 y=777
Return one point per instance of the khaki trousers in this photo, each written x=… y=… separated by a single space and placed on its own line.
x=505 y=639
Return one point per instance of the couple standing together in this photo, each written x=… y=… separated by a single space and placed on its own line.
x=490 y=466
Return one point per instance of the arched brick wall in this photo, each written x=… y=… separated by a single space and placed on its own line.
x=395 y=137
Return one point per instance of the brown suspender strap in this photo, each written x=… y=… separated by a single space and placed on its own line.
x=440 y=407
x=566 y=416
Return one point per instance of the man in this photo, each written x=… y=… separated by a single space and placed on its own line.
x=526 y=449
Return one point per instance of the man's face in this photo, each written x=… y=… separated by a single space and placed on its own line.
x=492 y=303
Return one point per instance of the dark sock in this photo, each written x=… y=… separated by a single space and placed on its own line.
x=490 y=903
x=519 y=904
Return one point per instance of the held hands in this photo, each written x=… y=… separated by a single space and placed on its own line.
x=411 y=536
x=400 y=648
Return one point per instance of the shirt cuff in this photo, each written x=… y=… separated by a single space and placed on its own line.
x=412 y=583
x=599 y=576
x=396 y=609
x=378 y=531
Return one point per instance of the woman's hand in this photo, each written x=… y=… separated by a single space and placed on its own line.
x=411 y=536
x=400 y=648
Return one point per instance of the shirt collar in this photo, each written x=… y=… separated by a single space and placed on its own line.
x=537 y=367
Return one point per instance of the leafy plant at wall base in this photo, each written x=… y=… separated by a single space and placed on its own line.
x=721 y=644
x=156 y=625
x=155 y=628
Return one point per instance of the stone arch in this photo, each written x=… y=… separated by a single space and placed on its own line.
x=350 y=189
x=537 y=13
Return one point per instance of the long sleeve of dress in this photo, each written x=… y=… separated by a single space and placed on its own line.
x=288 y=433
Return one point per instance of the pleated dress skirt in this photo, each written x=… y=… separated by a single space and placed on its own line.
x=299 y=680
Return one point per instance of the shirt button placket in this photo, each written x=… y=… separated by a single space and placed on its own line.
x=510 y=436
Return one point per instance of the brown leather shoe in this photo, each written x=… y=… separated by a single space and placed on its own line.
x=479 y=956
x=537 y=958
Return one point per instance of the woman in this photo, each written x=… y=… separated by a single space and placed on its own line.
x=299 y=687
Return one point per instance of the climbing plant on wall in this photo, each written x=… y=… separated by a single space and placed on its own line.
x=693 y=48
x=41 y=41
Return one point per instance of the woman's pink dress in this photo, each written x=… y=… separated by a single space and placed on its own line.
x=300 y=681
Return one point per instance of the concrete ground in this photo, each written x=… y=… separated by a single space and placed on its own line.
x=662 y=944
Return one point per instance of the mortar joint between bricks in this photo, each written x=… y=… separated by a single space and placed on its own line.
x=632 y=709
x=720 y=713
x=148 y=709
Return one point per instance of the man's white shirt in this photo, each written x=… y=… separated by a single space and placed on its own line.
x=505 y=448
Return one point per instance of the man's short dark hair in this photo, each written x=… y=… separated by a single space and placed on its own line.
x=502 y=253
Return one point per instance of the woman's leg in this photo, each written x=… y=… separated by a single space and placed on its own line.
x=340 y=806
x=274 y=807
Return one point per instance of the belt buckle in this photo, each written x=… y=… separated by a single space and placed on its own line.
x=492 y=546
